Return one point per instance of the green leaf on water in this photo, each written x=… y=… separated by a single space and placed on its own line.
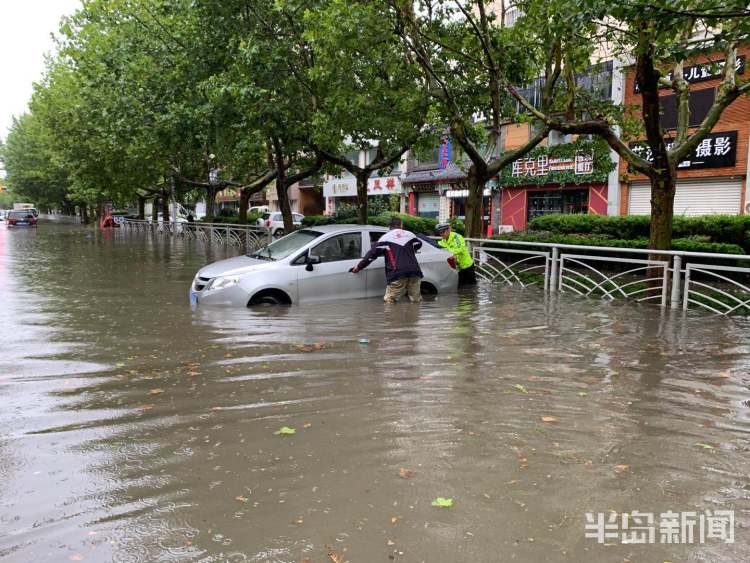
x=705 y=446
x=583 y=394
x=520 y=388
x=285 y=431
x=443 y=502
x=119 y=365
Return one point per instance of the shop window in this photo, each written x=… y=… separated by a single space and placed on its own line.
x=557 y=202
x=699 y=102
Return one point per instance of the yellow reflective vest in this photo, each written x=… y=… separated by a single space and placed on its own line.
x=457 y=245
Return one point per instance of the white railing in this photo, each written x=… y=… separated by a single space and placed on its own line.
x=247 y=237
x=719 y=283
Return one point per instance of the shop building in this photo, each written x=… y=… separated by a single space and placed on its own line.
x=342 y=189
x=713 y=178
x=305 y=197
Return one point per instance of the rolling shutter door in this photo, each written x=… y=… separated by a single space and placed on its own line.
x=702 y=197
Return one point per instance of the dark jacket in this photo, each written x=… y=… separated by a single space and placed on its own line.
x=399 y=248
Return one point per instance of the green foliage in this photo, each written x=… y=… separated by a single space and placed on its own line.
x=603 y=164
x=733 y=230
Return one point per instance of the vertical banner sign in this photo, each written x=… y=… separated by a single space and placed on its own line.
x=445 y=154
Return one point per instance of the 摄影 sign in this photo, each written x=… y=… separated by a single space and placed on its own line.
x=717 y=150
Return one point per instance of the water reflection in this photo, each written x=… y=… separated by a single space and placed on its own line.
x=137 y=430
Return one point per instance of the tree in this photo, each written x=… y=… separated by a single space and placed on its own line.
x=660 y=38
x=380 y=103
x=466 y=53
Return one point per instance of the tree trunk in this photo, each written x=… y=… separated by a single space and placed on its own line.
x=84 y=214
x=362 y=179
x=282 y=192
x=662 y=210
x=165 y=206
x=474 y=204
x=155 y=210
x=141 y=207
x=244 y=204
x=210 y=203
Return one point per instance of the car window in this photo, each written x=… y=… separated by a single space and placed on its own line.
x=347 y=246
x=297 y=217
x=287 y=245
x=277 y=217
x=375 y=236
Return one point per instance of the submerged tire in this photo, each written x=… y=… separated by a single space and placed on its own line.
x=270 y=297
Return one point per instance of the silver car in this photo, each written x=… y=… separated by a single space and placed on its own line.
x=312 y=265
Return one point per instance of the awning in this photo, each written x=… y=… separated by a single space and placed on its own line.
x=450 y=174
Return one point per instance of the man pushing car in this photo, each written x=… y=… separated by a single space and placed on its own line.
x=402 y=271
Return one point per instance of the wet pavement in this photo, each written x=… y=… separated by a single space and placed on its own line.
x=134 y=429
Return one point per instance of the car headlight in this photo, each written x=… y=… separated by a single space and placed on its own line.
x=223 y=282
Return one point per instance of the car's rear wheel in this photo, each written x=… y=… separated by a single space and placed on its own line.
x=427 y=289
x=279 y=233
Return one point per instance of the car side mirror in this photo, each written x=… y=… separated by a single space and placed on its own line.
x=310 y=260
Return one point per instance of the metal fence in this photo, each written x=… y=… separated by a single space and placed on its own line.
x=247 y=237
x=719 y=283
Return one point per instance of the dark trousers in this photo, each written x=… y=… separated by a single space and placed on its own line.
x=467 y=276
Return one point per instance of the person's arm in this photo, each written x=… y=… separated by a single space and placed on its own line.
x=416 y=244
x=369 y=258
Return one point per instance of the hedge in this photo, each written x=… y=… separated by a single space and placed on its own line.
x=693 y=244
x=719 y=229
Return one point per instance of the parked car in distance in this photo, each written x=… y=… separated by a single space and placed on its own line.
x=3 y=213
x=24 y=218
x=312 y=265
x=260 y=209
x=275 y=222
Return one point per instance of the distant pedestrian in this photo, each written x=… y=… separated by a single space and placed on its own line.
x=456 y=244
x=402 y=271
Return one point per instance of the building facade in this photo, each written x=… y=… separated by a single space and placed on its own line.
x=713 y=178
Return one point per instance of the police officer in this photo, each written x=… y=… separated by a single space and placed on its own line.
x=456 y=244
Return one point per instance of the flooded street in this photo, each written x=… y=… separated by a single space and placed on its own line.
x=134 y=429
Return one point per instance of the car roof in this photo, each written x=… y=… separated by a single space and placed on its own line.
x=335 y=228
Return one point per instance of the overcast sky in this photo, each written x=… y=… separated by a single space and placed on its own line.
x=24 y=39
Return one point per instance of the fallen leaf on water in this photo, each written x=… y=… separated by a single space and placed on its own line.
x=241 y=498
x=622 y=468
x=146 y=407
x=443 y=502
x=119 y=365
x=520 y=388
x=723 y=374
x=285 y=431
x=395 y=519
x=705 y=446
x=155 y=391
x=583 y=394
x=76 y=557
x=589 y=464
x=405 y=473
x=549 y=419
x=334 y=556
x=307 y=425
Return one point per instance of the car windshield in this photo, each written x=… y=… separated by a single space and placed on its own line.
x=280 y=249
x=21 y=214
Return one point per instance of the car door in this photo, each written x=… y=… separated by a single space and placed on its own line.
x=331 y=278
x=375 y=272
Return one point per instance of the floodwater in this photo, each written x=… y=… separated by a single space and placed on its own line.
x=134 y=429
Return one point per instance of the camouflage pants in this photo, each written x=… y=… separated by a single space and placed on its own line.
x=411 y=286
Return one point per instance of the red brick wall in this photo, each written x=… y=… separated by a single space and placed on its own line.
x=735 y=118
